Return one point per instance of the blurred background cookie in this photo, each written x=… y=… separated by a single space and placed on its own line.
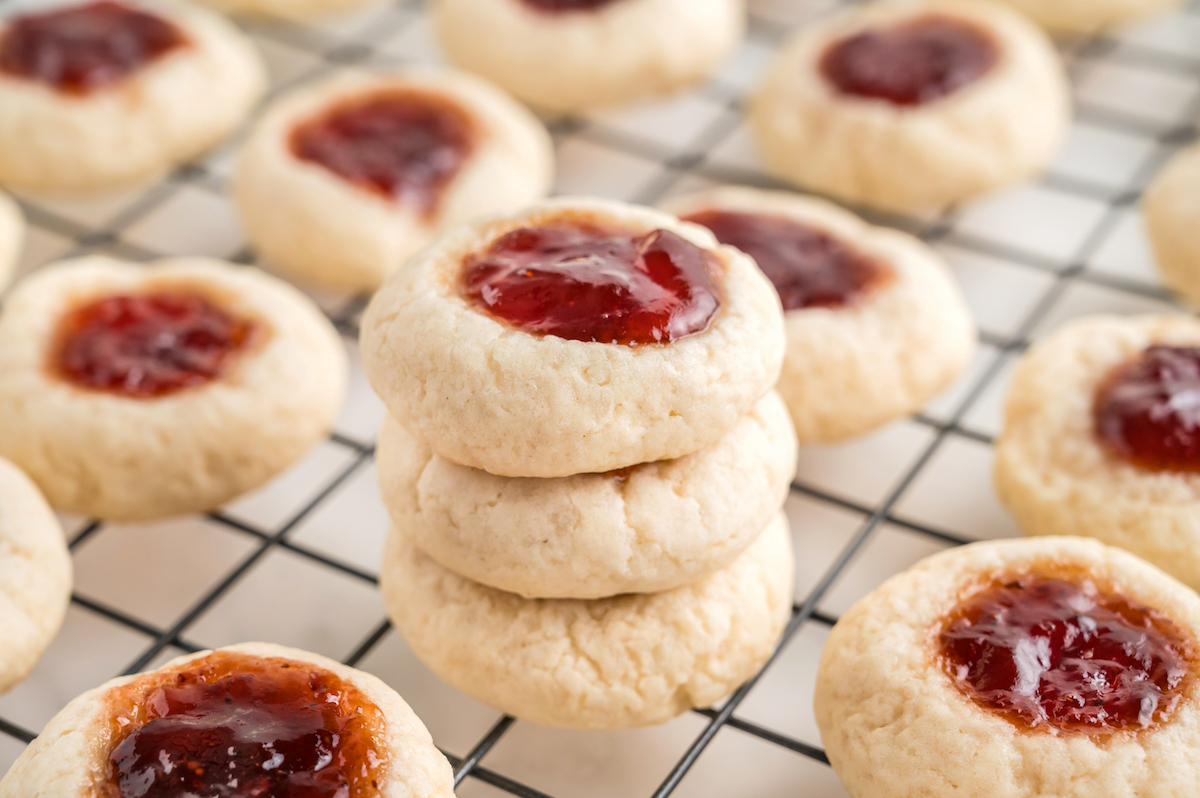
x=566 y=55
x=1101 y=438
x=12 y=237
x=137 y=392
x=875 y=325
x=912 y=105
x=1171 y=206
x=106 y=93
x=342 y=180
x=1089 y=16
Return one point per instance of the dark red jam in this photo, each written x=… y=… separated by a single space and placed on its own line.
x=911 y=63
x=404 y=145
x=567 y=5
x=1147 y=412
x=809 y=268
x=82 y=48
x=237 y=726
x=1049 y=652
x=586 y=283
x=147 y=345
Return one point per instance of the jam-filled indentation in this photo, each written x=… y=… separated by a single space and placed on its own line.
x=1147 y=411
x=585 y=282
x=79 y=49
x=405 y=145
x=808 y=267
x=148 y=345
x=1058 y=653
x=233 y=725
x=911 y=63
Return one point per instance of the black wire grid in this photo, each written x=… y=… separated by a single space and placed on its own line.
x=675 y=166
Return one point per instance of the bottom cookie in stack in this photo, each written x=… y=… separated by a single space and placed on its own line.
x=629 y=660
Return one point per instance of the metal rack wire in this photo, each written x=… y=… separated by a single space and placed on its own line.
x=690 y=159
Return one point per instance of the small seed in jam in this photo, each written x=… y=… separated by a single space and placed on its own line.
x=567 y=5
x=1048 y=652
x=148 y=345
x=912 y=63
x=82 y=48
x=809 y=268
x=586 y=283
x=234 y=726
x=1147 y=412
x=403 y=145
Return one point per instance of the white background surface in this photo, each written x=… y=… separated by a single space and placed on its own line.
x=295 y=562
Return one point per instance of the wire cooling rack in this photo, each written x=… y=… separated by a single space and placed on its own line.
x=296 y=562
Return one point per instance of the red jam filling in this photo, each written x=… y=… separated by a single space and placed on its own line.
x=586 y=283
x=1147 y=412
x=147 y=345
x=567 y=5
x=1049 y=652
x=82 y=48
x=915 y=62
x=403 y=145
x=235 y=726
x=808 y=268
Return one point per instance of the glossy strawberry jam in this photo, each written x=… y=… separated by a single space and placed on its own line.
x=234 y=726
x=1147 y=411
x=404 y=145
x=567 y=5
x=79 y=49
x=1049 y=652
x=587 y=283
x=147 y=345
x=808 y=267
x=911 y=63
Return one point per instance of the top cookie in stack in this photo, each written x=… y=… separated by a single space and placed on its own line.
x=582 y=431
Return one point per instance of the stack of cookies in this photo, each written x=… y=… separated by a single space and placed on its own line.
x=584 y=462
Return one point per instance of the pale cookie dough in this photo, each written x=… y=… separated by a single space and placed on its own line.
x=105 y=454
x=613 y=663
x=1002 y=128
x=69 y=759
x=35 y=575
x=1089 y=16
x=297 y=10
x=894 y=723
x=312 y=224
x=168 y=112
x=1172 y=211
x=12 y=236
x=850 y=369
x=655 y=527
x=1054 y=474
x=483 y=394
x=619 y=52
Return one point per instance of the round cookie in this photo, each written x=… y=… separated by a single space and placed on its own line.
x=577 y=54
x=1171 y=207
x=131 y=392
x=876 y=326
x=652 y=527
x=12 y=236
x=341 y=181
x=1088 y=16
x=612 y=663
x=987 y=107
x=518 y=401
x=122 y=91
x=922 y=690
x=35 y=575
x=96 y=733
x=1059 y=476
